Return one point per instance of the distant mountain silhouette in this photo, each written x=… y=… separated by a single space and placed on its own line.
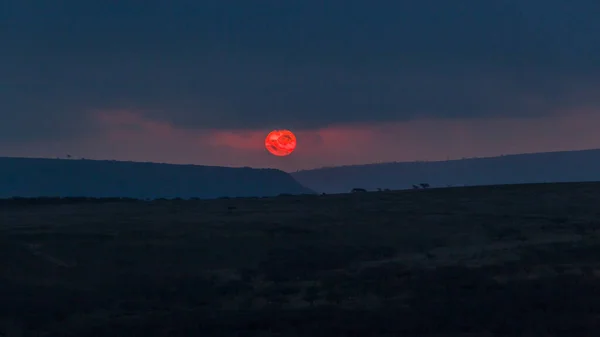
x=568 y=166
x=28 y=177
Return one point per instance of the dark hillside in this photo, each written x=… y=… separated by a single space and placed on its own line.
x=25 y=177
x=571 y=166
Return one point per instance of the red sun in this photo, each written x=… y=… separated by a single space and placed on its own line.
x=280 y=142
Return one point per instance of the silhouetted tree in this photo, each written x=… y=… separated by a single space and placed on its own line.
x=311 y=294
x=334 y=296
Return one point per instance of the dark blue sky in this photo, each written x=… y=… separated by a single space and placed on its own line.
x=304 y=65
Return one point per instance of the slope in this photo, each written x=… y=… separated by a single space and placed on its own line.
x=27 y=177
x=568 y=166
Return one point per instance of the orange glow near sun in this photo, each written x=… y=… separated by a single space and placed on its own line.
x=280 y=142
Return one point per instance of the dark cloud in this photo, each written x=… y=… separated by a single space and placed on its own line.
x=294 y=63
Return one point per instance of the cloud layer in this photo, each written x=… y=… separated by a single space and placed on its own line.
x=240 y=67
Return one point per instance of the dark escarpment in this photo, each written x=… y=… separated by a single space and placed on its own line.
x=33 y=177
x=566 y=166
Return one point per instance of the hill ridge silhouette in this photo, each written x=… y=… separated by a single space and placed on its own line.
x=557 y=166
x=46 y=177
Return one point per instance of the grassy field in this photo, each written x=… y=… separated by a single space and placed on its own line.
x=478 y=261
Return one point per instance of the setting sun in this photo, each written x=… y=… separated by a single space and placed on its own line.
x=280 y=142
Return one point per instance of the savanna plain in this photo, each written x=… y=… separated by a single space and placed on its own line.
x=513 y=260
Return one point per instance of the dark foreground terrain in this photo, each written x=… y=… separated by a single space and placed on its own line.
x=520 y=260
